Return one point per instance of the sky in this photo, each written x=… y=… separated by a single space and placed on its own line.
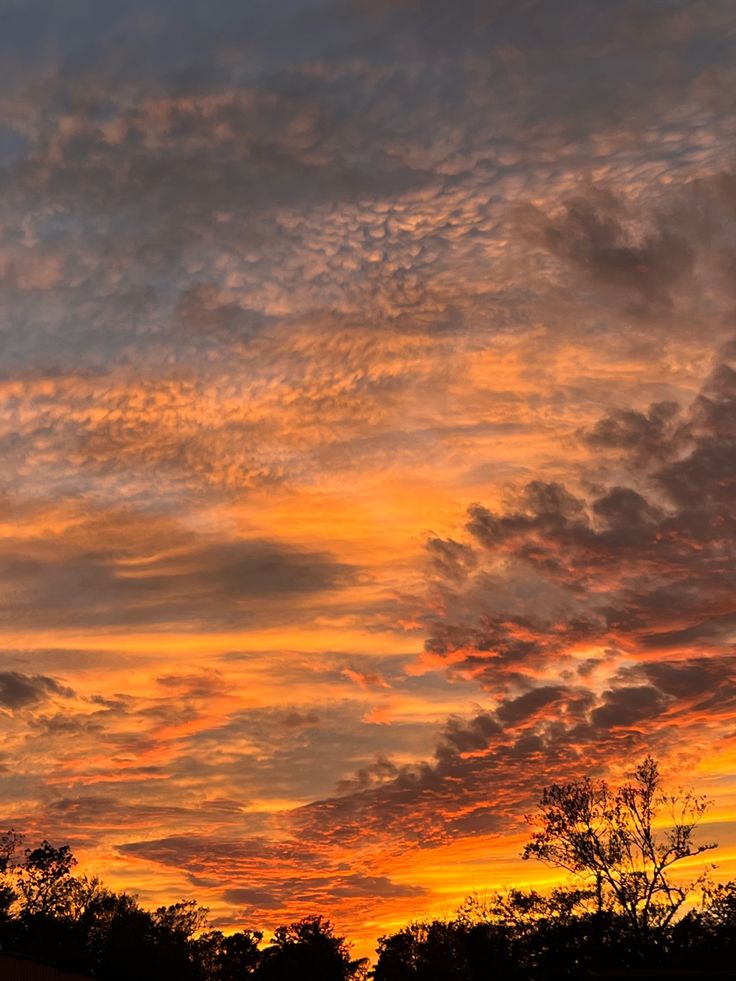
x=368 y=424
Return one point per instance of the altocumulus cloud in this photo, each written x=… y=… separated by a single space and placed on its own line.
x=18 y=691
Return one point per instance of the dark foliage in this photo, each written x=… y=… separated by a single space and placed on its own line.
x=608 y=838
x=625 y=914
x=310 y=950
x=523 y=937
x=77 y=924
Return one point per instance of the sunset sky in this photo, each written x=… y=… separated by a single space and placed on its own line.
x=368 y=433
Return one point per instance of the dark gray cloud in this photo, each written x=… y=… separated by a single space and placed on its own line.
x=79 y=813
x=658 y=262
x=591 y=236
x=259 y=898
x=450 y=559
x=703 y=479
x=139 y=569
x=461 y=736
x=197 y=852
x=379 y=771
x=628 y=706
x=690 y=677
x=380 y=886
x=625 y=513
x=648 y=434
x=525 y=705
x=624 y=558
x=18 y=691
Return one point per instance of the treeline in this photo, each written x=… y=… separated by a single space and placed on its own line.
x=74 y=922
x=77 y=924
x=627 y=911
x=525 y=936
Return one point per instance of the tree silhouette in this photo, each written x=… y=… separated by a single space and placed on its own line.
x=10 y=842
x=228 y=958
x=455 y=950
x=75 y=923
x=181 y=920
x=44 y=880
x=309 y=950
x=606 y=837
